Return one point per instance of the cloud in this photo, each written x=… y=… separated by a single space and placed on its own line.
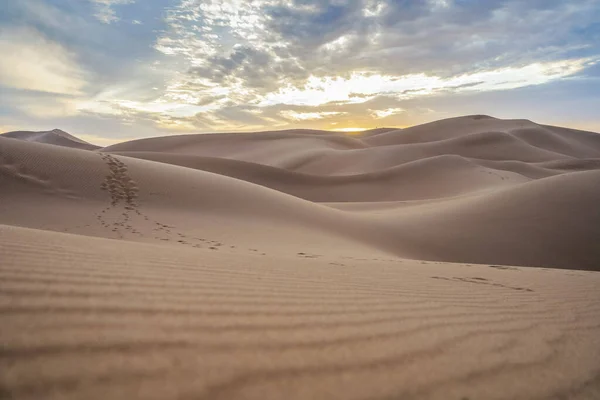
x=360 y=87
x=387 y=112
x=262 y=44
x=302 y=116
x=33 y=62
x=105 y=12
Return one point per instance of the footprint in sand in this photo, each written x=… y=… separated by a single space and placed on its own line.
x=504 y=267
x=305 y=255
x=124 y=193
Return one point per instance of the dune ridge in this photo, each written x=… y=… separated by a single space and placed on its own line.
x=56 y=137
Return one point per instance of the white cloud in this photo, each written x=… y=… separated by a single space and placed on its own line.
x=32 y=62
x=387 y=112
x=302 y=116
x=338 y=44
x=199 y=29
x=373 y=8
x=440 y=3
x=361 y=87
x=104 y=9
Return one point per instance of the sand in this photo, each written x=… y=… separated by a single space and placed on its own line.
x=55 y=137
x=450 y=260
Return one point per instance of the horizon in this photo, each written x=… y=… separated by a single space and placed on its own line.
x=104 y=142
x=115 y=70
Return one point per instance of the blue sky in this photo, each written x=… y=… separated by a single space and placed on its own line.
x=112 y=70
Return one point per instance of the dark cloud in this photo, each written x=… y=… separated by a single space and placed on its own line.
x=252 y=65
x=204 y=101
x=316 y=23
x=419 y=36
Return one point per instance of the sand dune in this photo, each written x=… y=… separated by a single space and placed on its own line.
x=434 y=177
x=482 y=214
x=331 y=154
x=55 y=136
x=303 y=264
x=491 y=195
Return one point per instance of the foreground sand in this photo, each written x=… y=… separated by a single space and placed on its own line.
x=444 y=261
x=93 y=318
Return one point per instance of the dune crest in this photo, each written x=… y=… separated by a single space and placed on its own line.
x=56 y=137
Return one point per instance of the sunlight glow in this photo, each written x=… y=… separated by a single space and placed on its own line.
x=30 y=61
x=364 y=86
x=303 y=116
x=350 y=130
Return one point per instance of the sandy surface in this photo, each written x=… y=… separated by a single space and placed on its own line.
x=55 y=137
x=443 y=261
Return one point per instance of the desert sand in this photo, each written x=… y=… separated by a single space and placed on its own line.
x=452 y=260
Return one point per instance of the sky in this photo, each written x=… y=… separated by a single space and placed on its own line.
x=115 y=70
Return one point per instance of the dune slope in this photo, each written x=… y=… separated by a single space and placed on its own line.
x=55 y=137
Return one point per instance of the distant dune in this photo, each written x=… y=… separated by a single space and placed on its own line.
x=55 y=136
x=396 y=263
